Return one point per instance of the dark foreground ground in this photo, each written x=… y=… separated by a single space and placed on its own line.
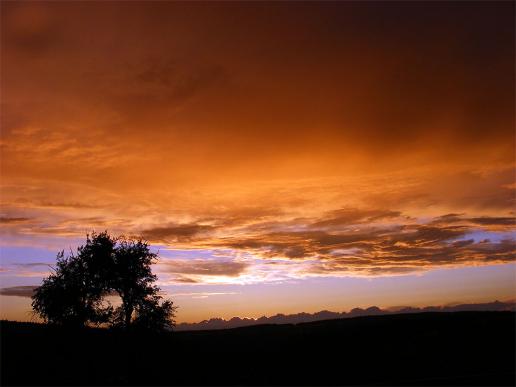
x=461 y=348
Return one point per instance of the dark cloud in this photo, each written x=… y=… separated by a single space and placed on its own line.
x=348 y=216
x=180 y=84
x=185 y=280
x=463 y=243
x=376 y=250
x=491 y=223
x=242 y=215
x=20 y=291
x=176 y=232
x=448 y=218
x=204 y=267
x=59 y=204
x=13 y=220
x=160 y=88
x=419 y=235
x=31 y=30
x=32 y=264
x=294 y=242
x=503 y=251
x=494 y=221
x=482 y=221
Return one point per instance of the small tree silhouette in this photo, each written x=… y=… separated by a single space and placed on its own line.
x=75 y=293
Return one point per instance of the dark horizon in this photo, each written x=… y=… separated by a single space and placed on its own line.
x=459 y=348
x=302 y=317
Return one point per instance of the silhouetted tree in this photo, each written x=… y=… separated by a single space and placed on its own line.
x=154 y=314
x=60 y=298
x=133 y=280
x=75 y=293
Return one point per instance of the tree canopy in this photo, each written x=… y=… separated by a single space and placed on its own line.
x=76 y=292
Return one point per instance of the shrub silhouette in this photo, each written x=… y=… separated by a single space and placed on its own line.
x=75 y=293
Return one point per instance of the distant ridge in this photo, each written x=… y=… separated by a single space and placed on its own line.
x=235 y=322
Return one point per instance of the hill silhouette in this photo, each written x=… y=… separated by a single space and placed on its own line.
x=433 y=348
x=236 y=322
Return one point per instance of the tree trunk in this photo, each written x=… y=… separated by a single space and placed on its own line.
x=128 y=314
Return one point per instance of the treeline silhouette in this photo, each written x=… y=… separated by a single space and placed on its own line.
x=460 y=348
x=75 y=293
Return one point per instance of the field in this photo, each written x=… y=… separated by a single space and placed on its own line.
x=460 y=348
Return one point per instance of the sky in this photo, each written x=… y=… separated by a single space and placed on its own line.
x=282 y=157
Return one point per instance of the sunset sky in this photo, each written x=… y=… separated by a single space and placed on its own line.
x=282 y=157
